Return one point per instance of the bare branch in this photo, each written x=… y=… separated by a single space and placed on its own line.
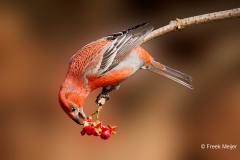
x=179 y=24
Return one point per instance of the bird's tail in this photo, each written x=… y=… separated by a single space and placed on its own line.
x=171 y=74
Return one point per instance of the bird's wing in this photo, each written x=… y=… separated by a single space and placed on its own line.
x=115 y=35
x=121 y=46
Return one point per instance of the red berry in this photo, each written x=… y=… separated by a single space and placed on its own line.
x=105 y=134
x=89 y=130
x=83 y=132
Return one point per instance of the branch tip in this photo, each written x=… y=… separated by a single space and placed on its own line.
x=179 y=24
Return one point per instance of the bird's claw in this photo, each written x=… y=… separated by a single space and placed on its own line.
x=102 y=98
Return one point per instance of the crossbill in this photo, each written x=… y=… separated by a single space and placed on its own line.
x=107 y=63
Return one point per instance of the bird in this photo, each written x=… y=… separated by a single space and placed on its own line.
x=106 y=63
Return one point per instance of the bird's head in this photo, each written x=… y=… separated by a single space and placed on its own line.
x=72 y=104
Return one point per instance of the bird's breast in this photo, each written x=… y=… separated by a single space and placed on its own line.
x=111 y=78
x=132 y=63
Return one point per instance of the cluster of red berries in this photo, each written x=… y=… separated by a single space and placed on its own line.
x=97 y=129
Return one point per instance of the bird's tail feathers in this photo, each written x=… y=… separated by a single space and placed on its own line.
x=170 y=73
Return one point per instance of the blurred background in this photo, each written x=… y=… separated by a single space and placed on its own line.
x=156 y=117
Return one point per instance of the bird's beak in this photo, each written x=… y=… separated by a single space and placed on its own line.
x=79 y=116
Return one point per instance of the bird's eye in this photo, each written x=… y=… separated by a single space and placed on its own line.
x=72 y=109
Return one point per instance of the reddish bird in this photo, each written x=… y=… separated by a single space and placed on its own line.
x=107 y=63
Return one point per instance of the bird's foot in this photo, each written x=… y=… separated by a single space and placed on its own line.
x=102 y=98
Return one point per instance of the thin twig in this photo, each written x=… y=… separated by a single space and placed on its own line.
x=179 y=24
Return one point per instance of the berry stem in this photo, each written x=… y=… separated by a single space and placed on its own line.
x=101 y=102
x=94 y=113
x=98 y=111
